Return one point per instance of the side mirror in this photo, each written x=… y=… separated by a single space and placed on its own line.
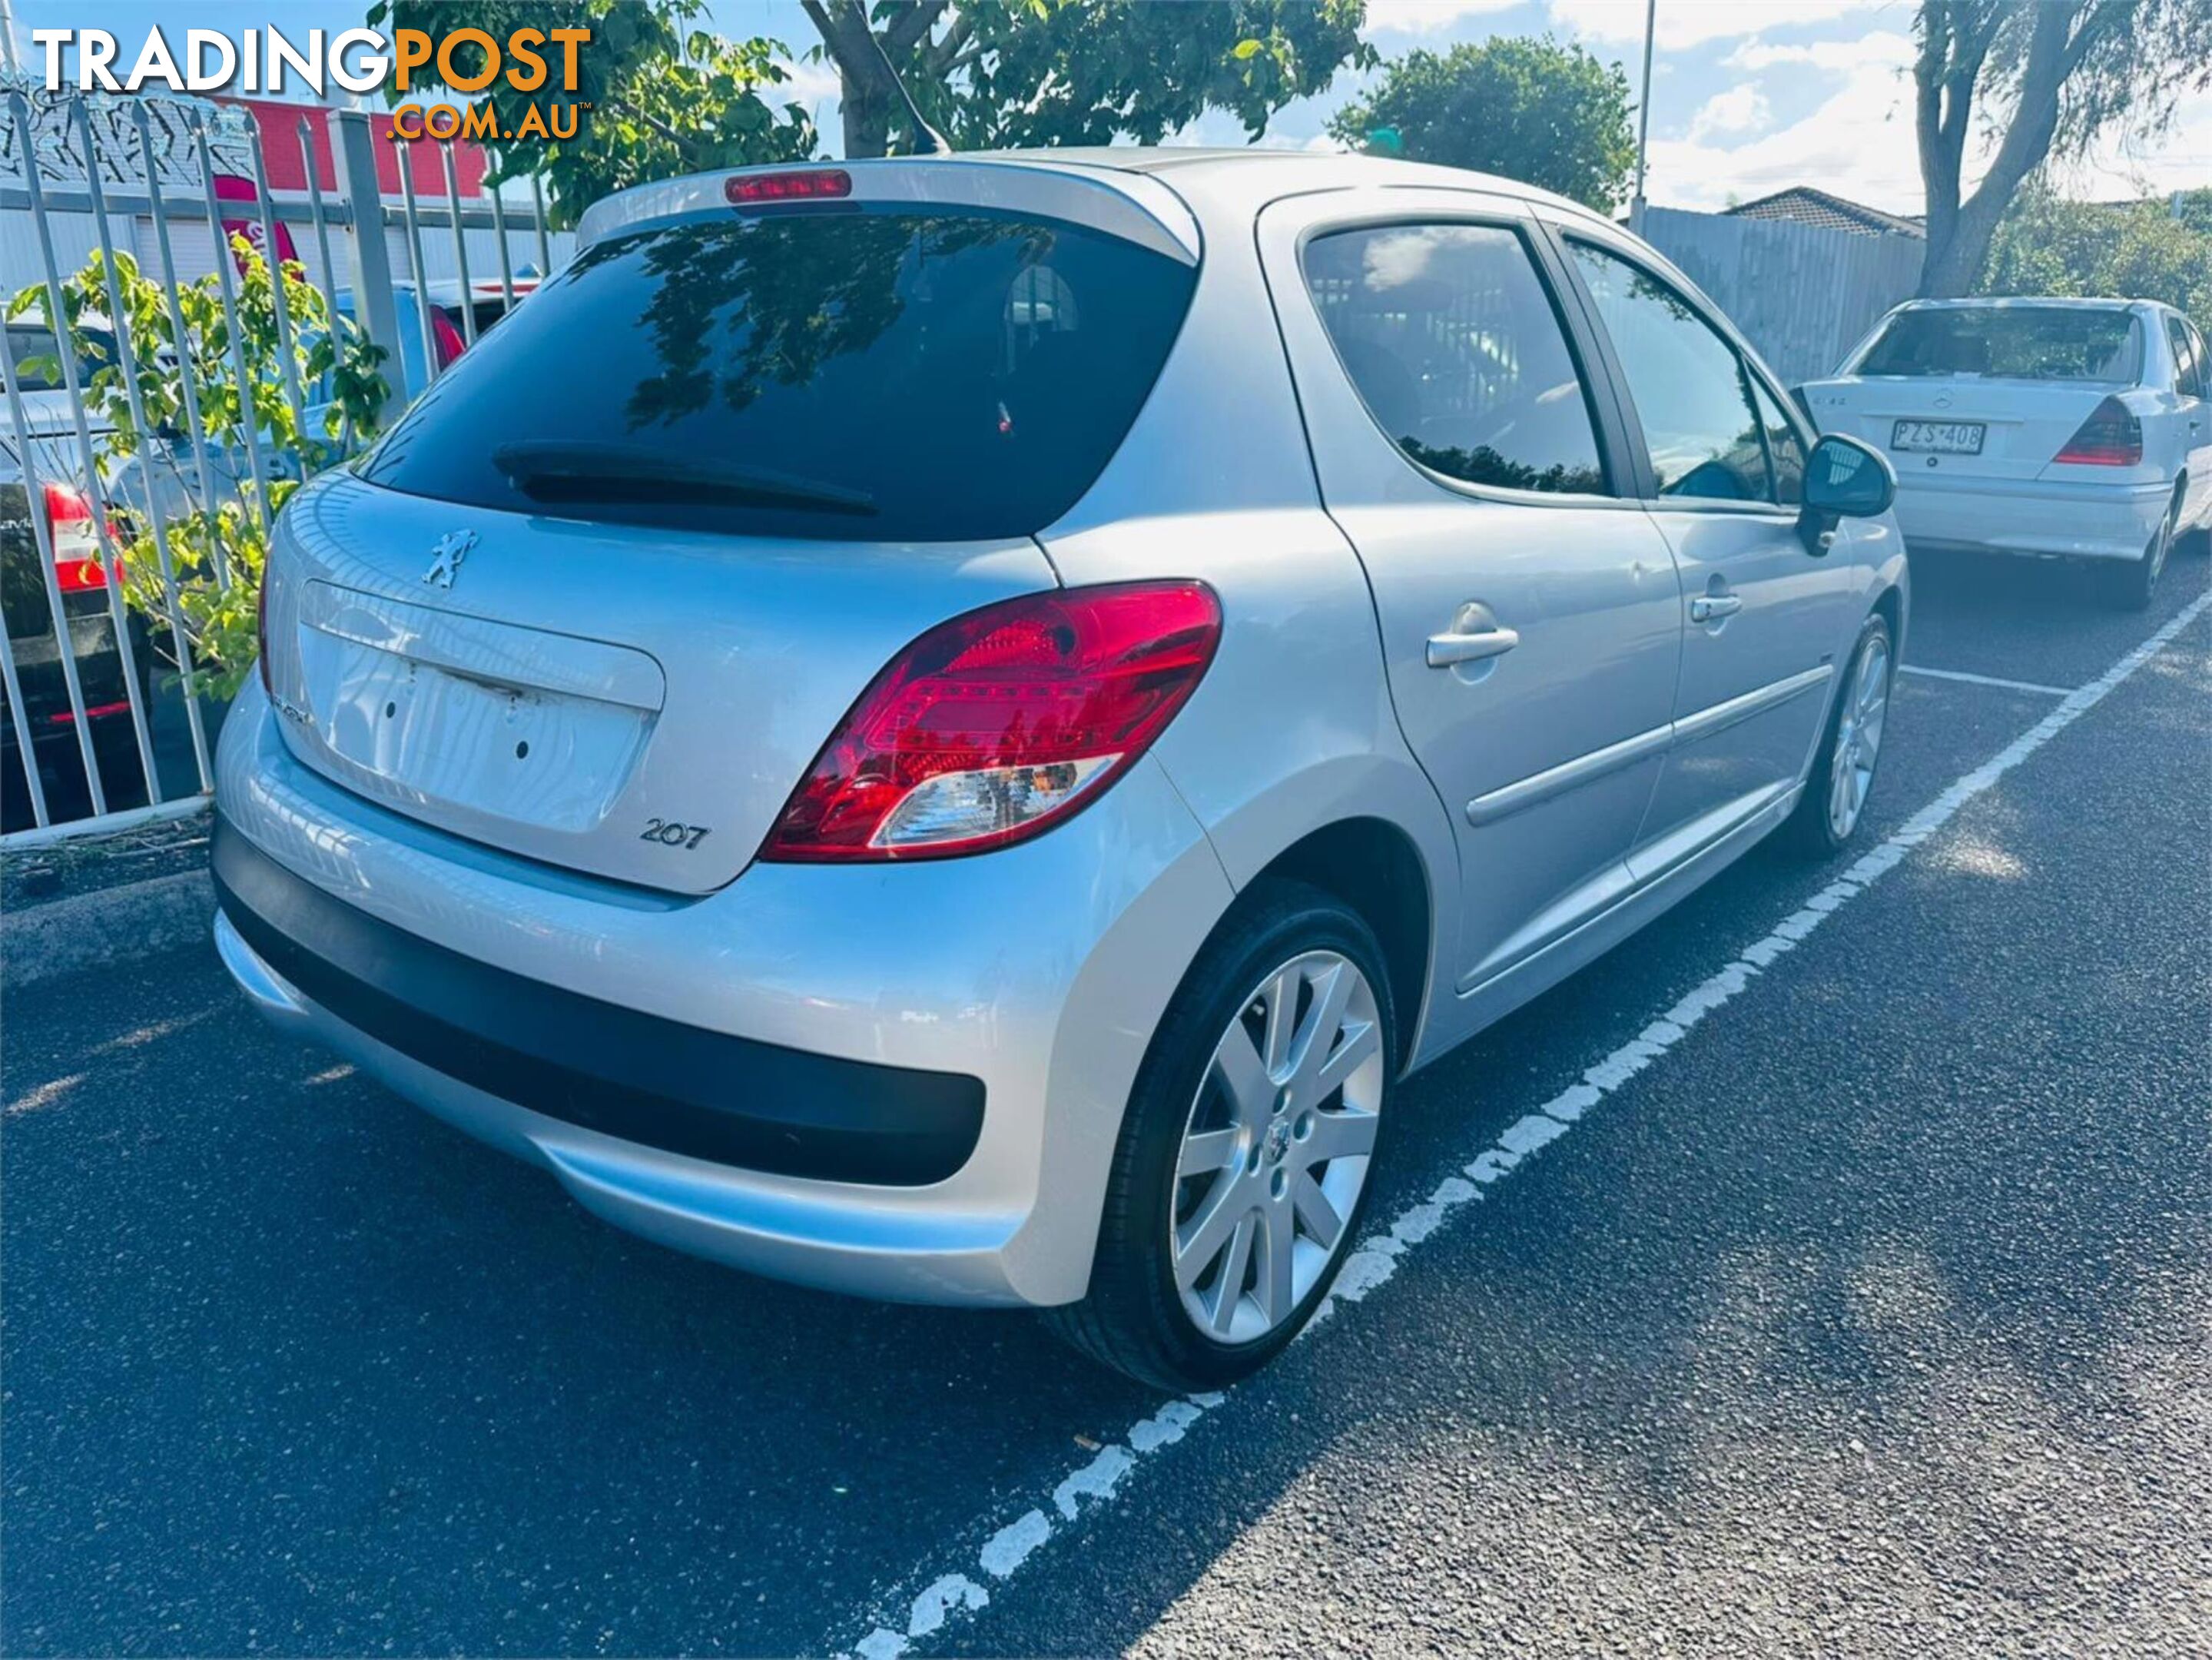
x=1843 y=479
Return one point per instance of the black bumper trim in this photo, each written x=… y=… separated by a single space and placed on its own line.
x=598 y=1065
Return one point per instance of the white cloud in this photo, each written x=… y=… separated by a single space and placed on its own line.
x=1880 y=47
x=1858 y=143
x=1740 y=109
x=1425 y=17
x=2117 y=167
x=1685 y=23
x=804 y=82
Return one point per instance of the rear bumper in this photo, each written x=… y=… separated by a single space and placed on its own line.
x=903 y=1081
x=2041 y=517
x=596 y=1065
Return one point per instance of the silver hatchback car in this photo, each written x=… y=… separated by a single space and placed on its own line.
x=951 y=728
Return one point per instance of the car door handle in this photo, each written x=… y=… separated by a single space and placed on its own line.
x=1711 y=607
x=1449 y=650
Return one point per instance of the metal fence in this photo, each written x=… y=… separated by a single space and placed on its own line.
x=105 y=726
x=1803 y=295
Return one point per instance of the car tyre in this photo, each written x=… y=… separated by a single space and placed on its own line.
x=1274 y=1163
x=2131 y=585
x=1833 y=805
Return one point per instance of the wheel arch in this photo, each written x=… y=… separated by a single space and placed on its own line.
x=1889 y=605
x=1373 y=866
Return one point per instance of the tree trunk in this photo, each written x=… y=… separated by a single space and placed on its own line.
x=867 y=118
x=1960 y=232
x=864 y=95
x=868 y=93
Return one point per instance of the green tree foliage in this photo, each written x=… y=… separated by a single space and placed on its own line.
x=1525 y=107
x=2046 y=78
x=995 y=74
x=2135 y=250
x=665 y=97
x=217 y=539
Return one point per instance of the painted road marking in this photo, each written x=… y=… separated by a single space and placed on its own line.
x=1984 y=680
x=955 y=1590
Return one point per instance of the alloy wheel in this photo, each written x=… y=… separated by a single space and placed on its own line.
x=1858 y=738
x=1276 y=1148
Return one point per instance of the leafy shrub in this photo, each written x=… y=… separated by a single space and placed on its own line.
x=214 y=517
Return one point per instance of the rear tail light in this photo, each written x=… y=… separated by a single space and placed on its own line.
x=993 y=726
x=450 y=344
x=805 y=185
x=2110 y=437
x=76 y=539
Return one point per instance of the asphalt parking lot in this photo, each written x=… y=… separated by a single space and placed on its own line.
x=1865 y=1308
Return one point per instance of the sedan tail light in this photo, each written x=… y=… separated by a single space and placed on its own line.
x=76 y=539
x=446 y=338
x=2110 y=437
x=996 y=724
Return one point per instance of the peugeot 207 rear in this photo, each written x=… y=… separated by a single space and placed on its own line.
x=855 y=731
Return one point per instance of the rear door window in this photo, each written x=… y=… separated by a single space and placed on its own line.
x=2188 y=367
x=860 y=373
x=1689 y=387
x=2010 y=343
x=1452 y=341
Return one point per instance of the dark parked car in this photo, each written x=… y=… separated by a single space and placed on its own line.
x=85 y=608
x=91 y=630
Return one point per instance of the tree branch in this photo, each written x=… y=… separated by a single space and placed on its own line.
x=908 y=29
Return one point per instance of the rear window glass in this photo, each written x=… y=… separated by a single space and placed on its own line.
x=2012 y=343
x=872 y=375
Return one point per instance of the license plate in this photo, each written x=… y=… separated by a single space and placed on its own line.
x=1944 y=437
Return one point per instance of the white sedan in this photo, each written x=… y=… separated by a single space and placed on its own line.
x=2054 y=429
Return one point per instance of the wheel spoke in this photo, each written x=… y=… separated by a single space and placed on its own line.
x=1340 y=1135
x=1274 y=1283
x=1319 y=1217
x=1243 y=1075
x=1870 y=725
x=1282 y=1001
x=1318 y=1033
x=1200 y=1240
x=1229 y=1289
x=1207 y=1150
x=1360 y=1042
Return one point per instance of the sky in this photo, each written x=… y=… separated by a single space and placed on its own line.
x=1748 y=96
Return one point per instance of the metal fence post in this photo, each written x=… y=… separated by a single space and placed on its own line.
x=353 y=147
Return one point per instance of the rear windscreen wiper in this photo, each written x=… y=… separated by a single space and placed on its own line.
x=555 y=470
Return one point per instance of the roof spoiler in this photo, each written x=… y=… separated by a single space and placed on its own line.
x=1133 y=206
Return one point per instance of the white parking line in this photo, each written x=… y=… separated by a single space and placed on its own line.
x=1984 y=680
x=960 y=1586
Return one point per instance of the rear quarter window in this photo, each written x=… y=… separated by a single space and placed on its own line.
x=863 y=375
x=1450 y=339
